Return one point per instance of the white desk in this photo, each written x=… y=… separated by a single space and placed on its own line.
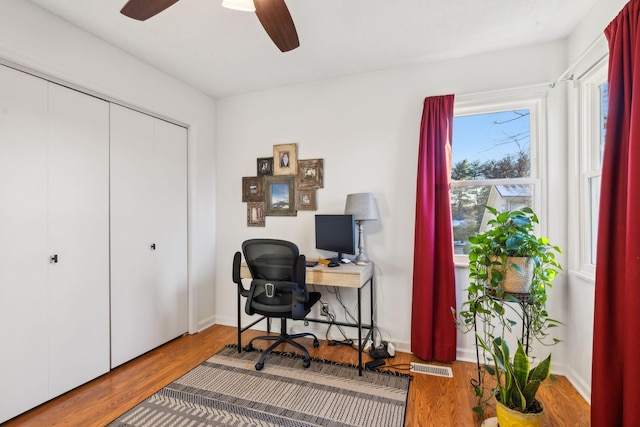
x=344 y=276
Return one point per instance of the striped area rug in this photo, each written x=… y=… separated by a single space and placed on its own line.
x=226 y=390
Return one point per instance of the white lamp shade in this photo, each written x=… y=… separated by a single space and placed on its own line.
x=362 y=206
x=243 y=5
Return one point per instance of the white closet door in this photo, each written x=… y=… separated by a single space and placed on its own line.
x=132 y=257
x=79 y=236
x=23 y=249
x=148 y=233
x=170 y=213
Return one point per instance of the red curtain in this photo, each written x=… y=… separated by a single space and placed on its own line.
x=615 y=390
x=433 y=332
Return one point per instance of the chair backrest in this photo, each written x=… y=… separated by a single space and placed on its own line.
x=271 y=259
x=277 y=260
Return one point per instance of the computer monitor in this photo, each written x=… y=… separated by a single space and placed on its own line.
x=336 y=233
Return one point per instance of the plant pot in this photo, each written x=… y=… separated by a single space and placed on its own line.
x=510 y=418
x=514 y=281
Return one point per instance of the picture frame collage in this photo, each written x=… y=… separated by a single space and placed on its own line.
x=283 y=185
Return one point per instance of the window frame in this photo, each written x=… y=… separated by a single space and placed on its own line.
x=589 y=113
x=535 y=102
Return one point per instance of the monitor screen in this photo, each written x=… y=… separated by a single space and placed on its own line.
x=336 y=233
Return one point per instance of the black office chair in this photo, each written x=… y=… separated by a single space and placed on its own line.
x=278 y=290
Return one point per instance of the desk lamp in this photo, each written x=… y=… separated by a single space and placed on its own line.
x=363 y=207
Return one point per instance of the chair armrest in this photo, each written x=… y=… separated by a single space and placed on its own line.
x=237 y=259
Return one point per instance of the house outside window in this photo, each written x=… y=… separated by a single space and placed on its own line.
x=495 y=149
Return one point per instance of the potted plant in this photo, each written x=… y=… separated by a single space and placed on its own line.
x=516 y=384
x=508 y=253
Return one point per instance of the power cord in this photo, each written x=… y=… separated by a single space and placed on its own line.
x=400 y=366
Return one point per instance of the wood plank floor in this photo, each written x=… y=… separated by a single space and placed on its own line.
x=433 y=401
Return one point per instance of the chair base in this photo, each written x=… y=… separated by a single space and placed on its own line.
x=281 y=339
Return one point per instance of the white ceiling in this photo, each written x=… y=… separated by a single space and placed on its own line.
x=224 y=52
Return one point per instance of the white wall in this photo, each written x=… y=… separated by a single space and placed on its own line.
x=366 y=128
x=36 y=40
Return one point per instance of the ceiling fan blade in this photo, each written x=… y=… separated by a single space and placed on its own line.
x=277 y=22
x=145 y=9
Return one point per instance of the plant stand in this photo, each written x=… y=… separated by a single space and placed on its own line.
x=522 y=300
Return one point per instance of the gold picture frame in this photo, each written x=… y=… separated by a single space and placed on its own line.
x=285 y=159
x=310 y=173
x=280 y=196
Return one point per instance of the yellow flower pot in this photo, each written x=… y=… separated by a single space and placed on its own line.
x=510 y=418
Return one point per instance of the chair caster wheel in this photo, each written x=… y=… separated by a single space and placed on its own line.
x=248 y=348
x=316 y=343
x=259 y=366
x=306 y=363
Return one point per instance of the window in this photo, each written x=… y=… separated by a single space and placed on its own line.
x=594 y=100
x=494 y=152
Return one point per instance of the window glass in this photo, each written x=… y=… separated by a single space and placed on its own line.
x=593 y=176
x=603 y=91
x=491 y=165
x=491 y=145
x=594 y=200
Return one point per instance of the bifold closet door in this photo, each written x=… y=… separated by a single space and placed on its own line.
x=78 y=188
x=23 y=243
x=148 y=233
x=54 y=247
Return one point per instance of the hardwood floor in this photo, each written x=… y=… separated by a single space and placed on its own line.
x=433 y=401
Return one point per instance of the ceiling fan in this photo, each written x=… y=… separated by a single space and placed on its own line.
x=273 y=15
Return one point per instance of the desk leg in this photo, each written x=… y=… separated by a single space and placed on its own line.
x=360 y=343
x=372 y=301
x=239 y=325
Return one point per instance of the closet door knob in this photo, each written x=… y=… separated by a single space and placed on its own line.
x=53 y=259
x=153 y=246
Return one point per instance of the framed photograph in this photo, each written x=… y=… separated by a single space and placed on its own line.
x=306 y=199
x=310 y=173
x=280 y=195
x=265 y=166
x=285 y=159
x=255 y=214
x=252 y=189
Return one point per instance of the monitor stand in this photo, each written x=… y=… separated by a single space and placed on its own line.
x=337 y=258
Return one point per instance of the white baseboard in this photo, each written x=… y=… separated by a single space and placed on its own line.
x=582 y=386
x=205 y=323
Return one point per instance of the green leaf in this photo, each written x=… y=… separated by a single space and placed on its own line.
x=542 y=371
x=521 y=220
x=521 y=366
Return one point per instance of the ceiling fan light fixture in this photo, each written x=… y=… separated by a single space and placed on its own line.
x=243 y=5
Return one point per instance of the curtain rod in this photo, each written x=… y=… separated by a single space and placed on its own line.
x=563 y=77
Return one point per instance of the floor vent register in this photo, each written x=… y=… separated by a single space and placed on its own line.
x=439 y=371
